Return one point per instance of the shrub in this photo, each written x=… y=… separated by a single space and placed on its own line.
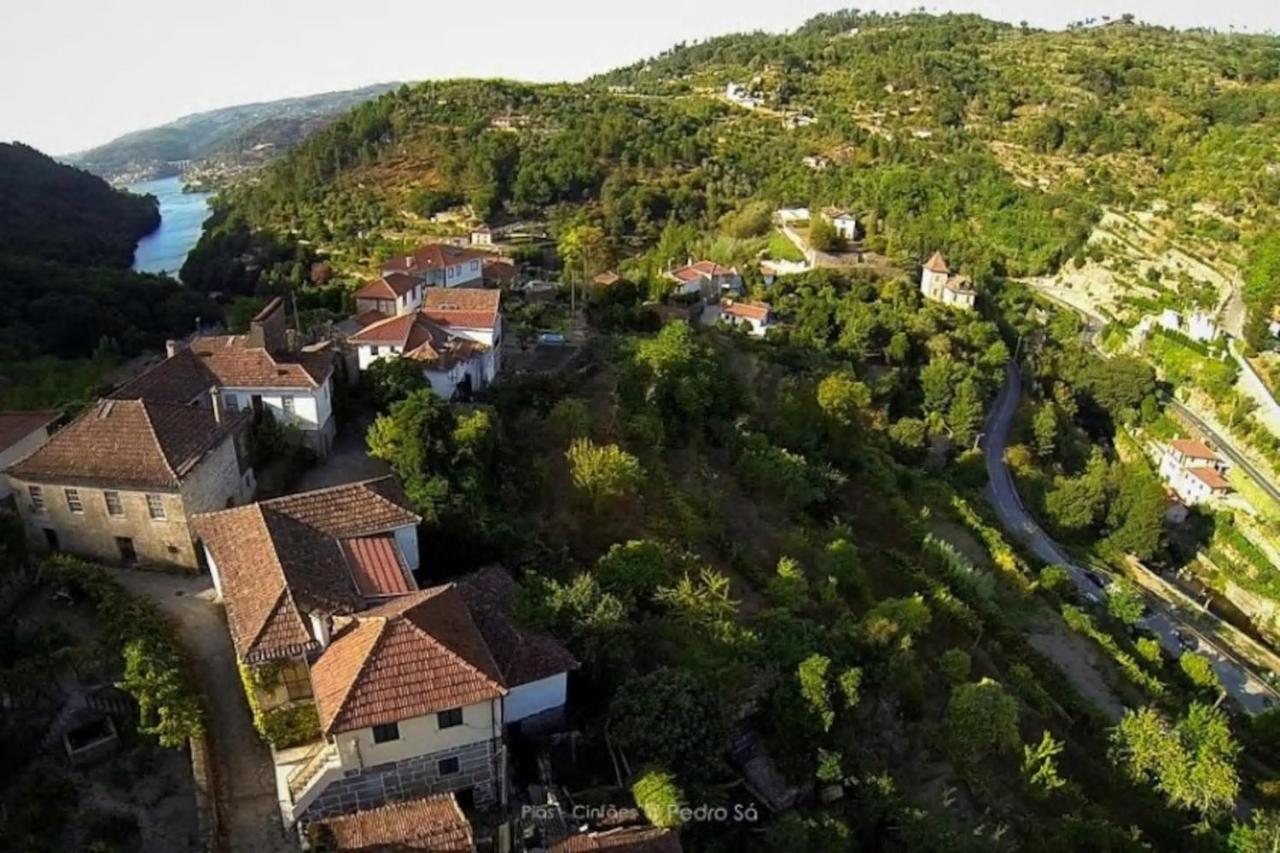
x=659 y=797
x=981 y=718
x=955 y=665
x=569 y=419
x=602 y=472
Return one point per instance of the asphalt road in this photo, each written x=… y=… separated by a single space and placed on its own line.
x=1165 y=622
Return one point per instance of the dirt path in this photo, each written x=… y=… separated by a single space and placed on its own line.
x=1078 y=660
x=243 y=777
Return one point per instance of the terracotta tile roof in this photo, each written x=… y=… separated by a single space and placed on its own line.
x=422 y=339
x=474 y=308
x=434 y=823
x=178 y=379
x=433 y=256
x=390 y=286
x=280 y=558
x=376 y=565
x=607 y=278
x=522 y=655
x=235 y=364
x=1210 y=477
x=700 y=270
x=499 y=270
x=747 y=310
x=415 y=655
x=626 y=839
x=1193 y=449
x=15 y=426
x=365 y=318
x=131 y=443
x=937 y=264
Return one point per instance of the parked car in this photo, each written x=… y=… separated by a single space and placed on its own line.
x=552 y=339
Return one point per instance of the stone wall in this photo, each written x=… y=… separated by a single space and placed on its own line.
x=412 y=777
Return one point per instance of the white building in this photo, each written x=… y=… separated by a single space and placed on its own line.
x=482 y=236
x=456 y=336
x=845 y=223
x=755 y=317
x=939 y=285
x=394 y=293
x=1201 y=327
x=707 y=279
x=1194 y=472
x=438 y=265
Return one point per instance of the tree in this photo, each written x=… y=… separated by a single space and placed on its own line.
x=1136 y=515
x=909 y=434
x=937 y=380
x=789 y=587
x=390 y=380
x=635 y=570
x=1191 y=762
x=584 y=251
x=895 y=619
x=965 y=413
x=154 y=675
x=823 y=235
x=1045 y=429
x=843 y=398
x=1260 y=835
x=670 y=717
x=1124 y=601
x=569 y=419
x=815 y=689
x=955 y=665
x=1039 y=766
x=602 y=472
x=659 y=797
x=1199 y=671
x=981 y=719
x=840 y=560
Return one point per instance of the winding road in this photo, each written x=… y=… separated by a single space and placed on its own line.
x=1166 y=622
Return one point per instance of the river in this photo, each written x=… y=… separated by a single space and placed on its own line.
x=182 y=217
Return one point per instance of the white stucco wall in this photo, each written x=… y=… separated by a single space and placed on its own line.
x=312 y=407
x=535 y=697
x=418 y=736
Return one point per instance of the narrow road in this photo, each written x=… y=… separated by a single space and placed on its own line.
x=1166 y=622
x=244 y=779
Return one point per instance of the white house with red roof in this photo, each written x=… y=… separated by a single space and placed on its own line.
x=706 y=279
x=455 y=334
x=755 y=317
x=939 y=284
x=393 y=293
x=440 y=265
x=1194 y=472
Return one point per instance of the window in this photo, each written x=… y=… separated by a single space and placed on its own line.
x=386 y=732
x=73 y=501
x=232 y=402
x=114 y=507
x=447 y=767
x=297 y=682
x=37 y=498
x=373 y=351
x=286 y=403
x=155 y=507
x=450 y=718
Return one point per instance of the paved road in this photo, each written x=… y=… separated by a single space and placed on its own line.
x=1225 y=447
x=1166 y=622
x=243 y=776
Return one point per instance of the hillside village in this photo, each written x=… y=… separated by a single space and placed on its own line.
x=816 y=441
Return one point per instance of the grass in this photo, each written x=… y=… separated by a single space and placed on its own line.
x=50 y=383
x=782 y=249
x=1254 y=494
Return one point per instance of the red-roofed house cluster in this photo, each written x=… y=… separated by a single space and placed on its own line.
x=1194 y=472
x=412 y=688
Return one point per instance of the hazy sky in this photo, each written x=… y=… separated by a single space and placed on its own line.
x=76 y=73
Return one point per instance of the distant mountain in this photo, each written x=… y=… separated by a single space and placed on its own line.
x=228 y=138
x=56 y=212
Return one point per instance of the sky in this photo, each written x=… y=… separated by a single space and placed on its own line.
x=77 y=73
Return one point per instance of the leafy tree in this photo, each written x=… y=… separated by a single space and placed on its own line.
x=937 y=380
x=602 y=472
x=895 y=619
x=840 y=560
x=1119 y=383
x=659 y=798
x=789 y=587
x=1200 y=672
x=1148 y=649
x=965 y=413
x=1192 y=762
x=569 y=419
x=1039 y=766
x=672 y=718
x=843 y=398
x=1260 y=835
x=955 y=665
x=823 y=235
x=155 y=676
x=981 y=719
x=815 y=689
x=1124 y=601
x=592 y=621
x=1136 y=516
x=1045 y=428
x=584 y=251
x=390 y=380
x=909 y=434
x=635 y=570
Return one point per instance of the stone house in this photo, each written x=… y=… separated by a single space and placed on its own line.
x=938 y=284
x=20 y=434
x=456 y=337
x=259 y=372
x=411 y=687
x=120 y=483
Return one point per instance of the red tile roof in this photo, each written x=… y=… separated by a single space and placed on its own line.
x=470 y=307
x=499 y=270
x=130 y=443
x=702 y=269
x=937 y=264
x=522 y=656
x=390 y=286
x=625 y=839
x=746 y=310
x=420 y=338
x=280 y=558
x=433 y=256
x=15 y=426
x=376 y=565
x=365 y=318
x=434 y=823
x=1210 y=477
x=1193 y=449
x=225 y=361
x=415 y=655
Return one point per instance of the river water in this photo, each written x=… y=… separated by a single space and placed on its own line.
x=182 y=217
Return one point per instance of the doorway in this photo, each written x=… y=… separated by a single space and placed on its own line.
x=128 y=554
x=51 y=539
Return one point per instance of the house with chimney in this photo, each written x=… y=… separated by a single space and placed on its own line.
x=260 y=372
x=939 y=284
x=456 y=337
x=754 y=317
x=120 y=483
x=440 y=265
x=706 y=279
x=412 y=688
x=1194 y=472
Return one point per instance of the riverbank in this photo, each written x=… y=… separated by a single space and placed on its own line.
x=182 y=218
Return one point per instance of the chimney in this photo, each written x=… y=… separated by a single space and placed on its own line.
x=170 y=348
x=267 y=328
x=216 y=399
x=320 y=628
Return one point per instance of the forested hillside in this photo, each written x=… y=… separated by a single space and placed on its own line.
x=66 y=290
x=999 y=143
